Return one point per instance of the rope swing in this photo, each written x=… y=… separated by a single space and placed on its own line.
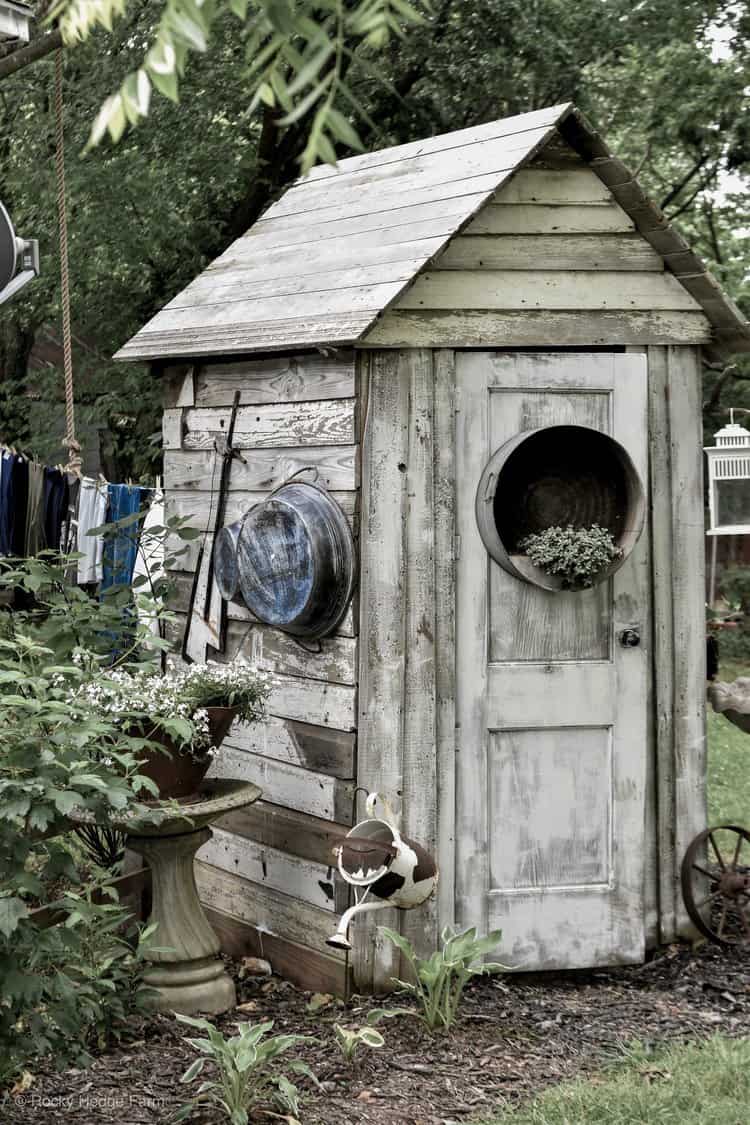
x=74 y=449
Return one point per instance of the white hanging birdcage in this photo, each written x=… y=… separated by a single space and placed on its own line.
x=729 y=480
x=14 y=21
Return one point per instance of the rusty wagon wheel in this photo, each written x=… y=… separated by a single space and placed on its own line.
x=716 y=884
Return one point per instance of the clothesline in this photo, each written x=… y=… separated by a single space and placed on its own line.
x=44 y=508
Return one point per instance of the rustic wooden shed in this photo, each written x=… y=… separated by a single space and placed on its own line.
x=394 y=321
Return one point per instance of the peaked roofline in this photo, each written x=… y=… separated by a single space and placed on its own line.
x=731 y=328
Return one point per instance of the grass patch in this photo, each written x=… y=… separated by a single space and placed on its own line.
x=697 y=1084
x=728 y=763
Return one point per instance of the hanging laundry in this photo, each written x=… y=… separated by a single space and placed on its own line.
x=69 y=533
x=92 y=512
x=149 y=562
x=56 y=492
x=120 y=550
x=14 y=491
x=35 y=511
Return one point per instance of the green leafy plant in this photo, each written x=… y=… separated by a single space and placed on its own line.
x=246 y=1070
x=439 y=980
x=575 y=554
x=61 y=985
x=349 y=1040
x=297 y=55
x=735 y=587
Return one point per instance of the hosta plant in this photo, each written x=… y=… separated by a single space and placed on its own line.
x=574 y=554
x=439 y=980
x=349 y=1040
x=245 y=1070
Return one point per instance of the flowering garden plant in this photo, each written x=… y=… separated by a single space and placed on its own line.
x=175 y=703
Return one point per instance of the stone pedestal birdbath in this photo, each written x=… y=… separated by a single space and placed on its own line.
x=185 y=969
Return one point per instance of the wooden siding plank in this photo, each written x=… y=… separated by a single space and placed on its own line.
x=302 y=879
x=287 y=379
x=182 y=581
x=311 y=747
x=662 y=561
x=457 y=140
x=313 y=701
x=549 y=252
x=326 y=797
x=688 y=602
x=444 y=453
x=419 y=768
x=178 y=386
x=295 y=833
x=474 y=328
x=513 y=218
x=382 y=653
x=263 y=469
x=270 y=911
x=537 y=185
x=275 y=425
x=307 y=968
x=172 y=428
x=546 y=289
x=278 y=652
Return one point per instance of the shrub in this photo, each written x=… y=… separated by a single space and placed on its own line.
x=61 y=986
x=575 y=554
x=735 y=587
x=439 y=980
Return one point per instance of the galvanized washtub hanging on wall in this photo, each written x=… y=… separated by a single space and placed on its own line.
x=290 y=559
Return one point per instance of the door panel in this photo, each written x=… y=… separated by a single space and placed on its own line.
x=551 y=708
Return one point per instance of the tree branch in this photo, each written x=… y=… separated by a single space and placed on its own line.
x=24 y=56
x=677 y=188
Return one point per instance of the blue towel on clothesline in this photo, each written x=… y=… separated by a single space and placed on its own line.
x=120 y=550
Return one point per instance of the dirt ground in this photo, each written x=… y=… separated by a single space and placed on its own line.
x=516 y=1035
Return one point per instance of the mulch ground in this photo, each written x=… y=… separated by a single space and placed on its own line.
x=515 y=1036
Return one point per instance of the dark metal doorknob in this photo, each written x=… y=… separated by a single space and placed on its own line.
x=630 y=638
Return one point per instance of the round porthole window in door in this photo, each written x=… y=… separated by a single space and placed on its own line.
x=560 y=507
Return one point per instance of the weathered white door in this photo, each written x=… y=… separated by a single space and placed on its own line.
x=551 y=706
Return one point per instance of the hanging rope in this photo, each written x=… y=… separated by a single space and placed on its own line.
x=74 y=449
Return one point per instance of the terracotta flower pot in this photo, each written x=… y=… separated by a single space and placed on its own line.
x=179 y=774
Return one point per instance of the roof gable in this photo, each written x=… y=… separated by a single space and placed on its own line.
x=343 y=244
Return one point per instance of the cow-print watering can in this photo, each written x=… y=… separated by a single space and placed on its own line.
x=378 y=861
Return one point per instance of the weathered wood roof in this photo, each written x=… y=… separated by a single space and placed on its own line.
x=341 y=245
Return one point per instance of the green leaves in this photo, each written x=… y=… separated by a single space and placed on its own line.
x=350 y=1039
x=12 y=910
x=575 y=554
x=296 y=55
x=440 y=979
x=245 y=1074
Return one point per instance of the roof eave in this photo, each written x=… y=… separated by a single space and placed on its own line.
x=731 y=327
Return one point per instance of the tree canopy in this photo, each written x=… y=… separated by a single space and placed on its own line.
x=148 y=212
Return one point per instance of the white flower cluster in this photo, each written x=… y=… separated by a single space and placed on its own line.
x=130 y=698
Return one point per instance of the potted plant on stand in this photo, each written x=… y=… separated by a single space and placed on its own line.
x=178 y=720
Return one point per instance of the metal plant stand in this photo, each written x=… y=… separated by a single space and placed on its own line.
x=185 y=968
